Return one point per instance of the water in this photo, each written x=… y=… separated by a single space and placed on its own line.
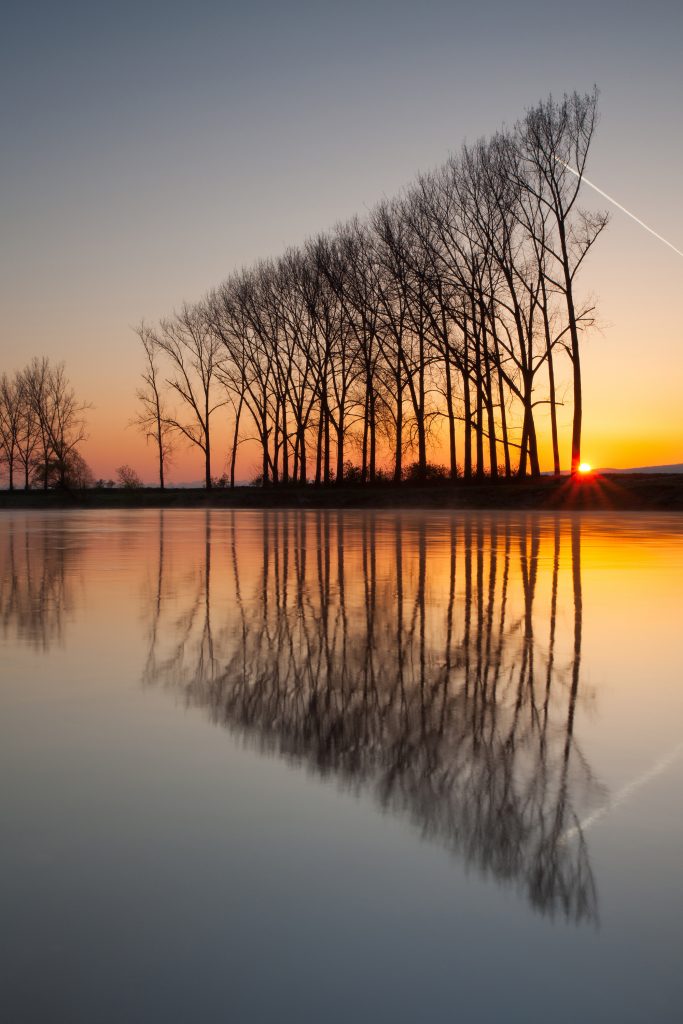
x=319 y=766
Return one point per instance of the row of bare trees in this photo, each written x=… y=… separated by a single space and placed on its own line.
x=41 y=428
x=444 y=319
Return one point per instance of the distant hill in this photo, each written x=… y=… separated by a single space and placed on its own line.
x=676 y=467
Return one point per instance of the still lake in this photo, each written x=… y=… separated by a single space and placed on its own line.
x=341 y=767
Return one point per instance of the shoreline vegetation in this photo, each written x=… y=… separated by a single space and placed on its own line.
x=654 y=492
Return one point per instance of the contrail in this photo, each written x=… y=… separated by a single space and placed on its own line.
x=625 y=792
x=619 y=206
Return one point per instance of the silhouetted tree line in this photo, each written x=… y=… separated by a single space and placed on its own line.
x=450 y=311
x=424 y=668
x=41 y=428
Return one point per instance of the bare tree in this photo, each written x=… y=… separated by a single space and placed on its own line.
x=29 y=436
x=193 y=352
x=128 y=478
x=10 y=424
x=152 y=419
x=60 y=418
x=555 y=139
x=229 y=323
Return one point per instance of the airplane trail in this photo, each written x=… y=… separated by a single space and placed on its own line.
x=619 y=206
x=625 y=792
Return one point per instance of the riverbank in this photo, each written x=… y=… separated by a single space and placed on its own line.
x=621 y=492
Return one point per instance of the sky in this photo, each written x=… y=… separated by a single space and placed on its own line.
x=149 y=149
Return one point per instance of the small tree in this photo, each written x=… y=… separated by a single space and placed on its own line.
x=128 y=479
x=78 y=473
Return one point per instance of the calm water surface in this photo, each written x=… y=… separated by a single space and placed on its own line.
x=325 y=767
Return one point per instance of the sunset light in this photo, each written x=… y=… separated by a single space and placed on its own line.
x=341 y=512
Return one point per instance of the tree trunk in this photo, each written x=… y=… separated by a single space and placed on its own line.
x=575 y=353
x=451 y=420
x=207 y=439
x=398 y=466
x=421 y=426
x=578 y=414
x=235 y=442
x=373 y=436
x=340 y=445
x=551 y=383
x=491 y=420
x=302 y=454
x=501 y=400
x=480 y=411
x=467 y=398
x=295 y=463
x=326 y=476
x=319 y=449
x=366 y=430
x=534 y=466
x=521 y=468
x=285 y=444
x=264 y=442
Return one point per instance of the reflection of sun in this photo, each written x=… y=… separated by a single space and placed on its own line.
x=584 y=467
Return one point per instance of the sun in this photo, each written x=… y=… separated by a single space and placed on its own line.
x=585 y=467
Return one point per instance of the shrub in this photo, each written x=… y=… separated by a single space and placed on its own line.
x=352 y=474
x=431 y=473
x=128 y=478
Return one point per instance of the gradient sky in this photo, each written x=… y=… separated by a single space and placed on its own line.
x=150 y=148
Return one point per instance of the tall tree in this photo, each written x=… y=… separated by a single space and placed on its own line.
x=60 y=415
x=193 y=353
x=152 y=418
x=555 y=139
x=10 y=424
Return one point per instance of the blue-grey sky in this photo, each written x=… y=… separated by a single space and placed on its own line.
x=150 y=148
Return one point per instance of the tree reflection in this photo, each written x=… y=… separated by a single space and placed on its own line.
x=38 y=585
x=185 y=599
x=430 y=666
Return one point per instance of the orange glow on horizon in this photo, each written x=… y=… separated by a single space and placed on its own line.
x=112 y=442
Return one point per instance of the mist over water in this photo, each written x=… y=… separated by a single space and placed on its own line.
x=293 y=765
